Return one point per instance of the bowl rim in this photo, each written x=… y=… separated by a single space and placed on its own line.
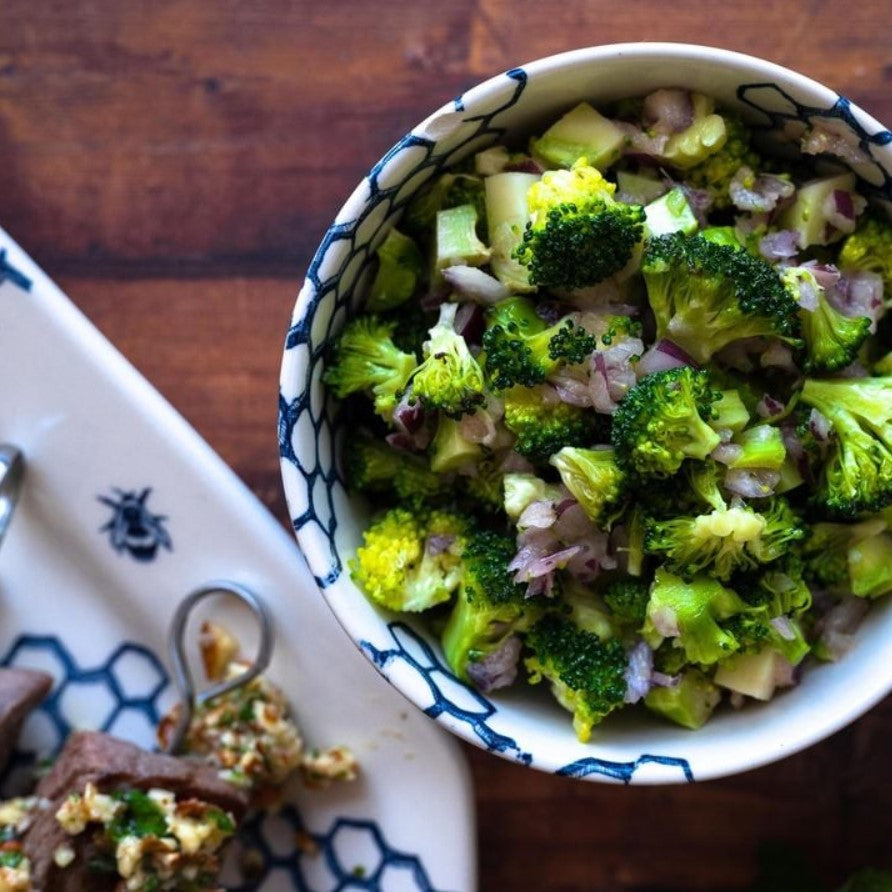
x=294 y=366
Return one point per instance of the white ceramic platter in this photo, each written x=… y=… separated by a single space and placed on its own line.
x=124 y=510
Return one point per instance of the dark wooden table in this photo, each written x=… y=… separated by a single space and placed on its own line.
x=173 y=164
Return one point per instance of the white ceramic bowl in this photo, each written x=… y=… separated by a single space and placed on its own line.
x=523 y=723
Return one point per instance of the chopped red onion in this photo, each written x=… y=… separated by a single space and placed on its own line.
x=497 y=669
x=438 y=544
x=478 y=427
x=826 y=274
x=700 y=202
x=540 y=515
x=758 y=193
x=841 y=208
x=410 y=420
x=548 y=564
x=474 y=284
x=469 y=323
x=785 y=673
x=661 y=357
x=639 y=669
x=668 y=110
x=807 y=294
x=572 y=389
x=665 y=621
x=784 y=627
x=838 y=626
x=833 y=138
x=642 y=144
x=661 y=680
x=769 y=407
x=751 y=483
x=820 y=426
x=527 y=165
x=726 y=453
x=858 y=293
x=779 y=355
x=780 y=245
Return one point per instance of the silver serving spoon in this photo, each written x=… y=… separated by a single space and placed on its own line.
x=176 y=645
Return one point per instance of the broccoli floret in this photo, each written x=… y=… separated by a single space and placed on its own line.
x=716 y=172
x=705 y=295
x=397 y=570
x=869 y=248
x=832 y=340
x=578 y=234
x=854 y=558
x=857 y=475
x=371 y=466
x=595 y=481
x=449 y=379
x=365 y=358
x=400 y=268
x=490 y=607
x=825 y=555
x=869 y=880
x=543 y=425
x=586 y=673
x=627 y=597
x=726 y=540
x=662 y=420
x=518 y=348
x=411 y=326
x=691 y=612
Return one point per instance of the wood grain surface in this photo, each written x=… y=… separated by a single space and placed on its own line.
x=174 y=163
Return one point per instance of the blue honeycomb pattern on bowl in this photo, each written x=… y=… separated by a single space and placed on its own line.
x=125 y=694
x=309 y=424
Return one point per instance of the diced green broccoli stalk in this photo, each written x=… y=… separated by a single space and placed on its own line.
x=449 y=378
x=595 y=481
x=450 y=450
x=726 y=540
x=521 y=490
x=870 y=565
x=705 y=136
x=627 y=598
x=689 y=703
x=856 y=477
x=754 y=675
x=883 y=366
x=763 y=447
x=587 y=675
x=490 y=608
x=832 y=340
x=729 y=412
x=705 y=296
x=826 y=551
x=397 y=570
x=869 y=248
x=518 y=348
x=492 y=160
x=456 y=238
x=400 y=269
x=507 y=215
x=586 y=610
x=661 y=421
x=690 y=612
x=543 y=424
x=365 y=359
x=371 y=466
x=721 y=235
x=716 y=172
x=670 y=212
x=578 y=234
x=807 y=215
x=449 y=190
x=640 y=188
x=635 y=547
x=583 y=132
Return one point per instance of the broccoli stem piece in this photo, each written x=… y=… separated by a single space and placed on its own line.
x=456 y=238
x=583 y=132
x=689 y=703
x=507 y=214
x=594 y=479
x=400 y=269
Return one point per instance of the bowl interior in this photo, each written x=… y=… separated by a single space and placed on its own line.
x=525 y=724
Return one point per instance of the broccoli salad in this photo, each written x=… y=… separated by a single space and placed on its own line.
x=621 y=400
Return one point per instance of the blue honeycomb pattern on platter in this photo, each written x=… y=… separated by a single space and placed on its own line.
x=623 y=771
x=8 y=273
x=353 y=854
x=411 y=648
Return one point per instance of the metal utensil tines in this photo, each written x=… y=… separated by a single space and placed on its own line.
x=12 y=470
x=177 y=646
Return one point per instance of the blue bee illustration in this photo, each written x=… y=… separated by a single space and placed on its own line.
x=7 y=271
x=133 y=528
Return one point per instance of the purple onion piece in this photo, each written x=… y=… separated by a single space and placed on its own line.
x=497 y=669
